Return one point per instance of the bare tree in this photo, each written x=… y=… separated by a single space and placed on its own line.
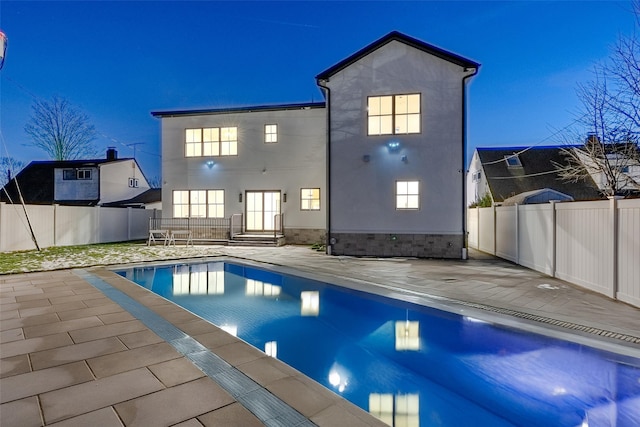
x=61 y=130
x=9 y=167
x=610 y=116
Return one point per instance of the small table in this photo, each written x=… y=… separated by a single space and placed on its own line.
x=160 y=235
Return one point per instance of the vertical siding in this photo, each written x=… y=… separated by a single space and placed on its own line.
x=629 y=251
x=487 y=232
x=535 y=240
x=506 y=233
x=585 y=245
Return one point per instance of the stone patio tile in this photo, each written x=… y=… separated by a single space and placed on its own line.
x=35 y=344
x=345 y=414
x=21 y=413
x=33 y=383
x=238 y=353
x=199 y=326
x=61 y=326
x=105 y=331
x=26 y=304
x=8 y=314
x=176 y=371
x=192 y=422
x=40 y=319
x=231 y=415
x=267 y=370
x=213 y=340
x=76 y=352
x=7 y=300
x=87 y=397
x=22 y=292
x=14 y=365
x=84 y=297
x=90 y=311
x=11 y=335
x=111 y=364
x=58 y=308
x=110 y=318
x=95 y=302
x=44 y=295
x=105 y=417
x=140 y=339
x=174 y=404
x=301 y=395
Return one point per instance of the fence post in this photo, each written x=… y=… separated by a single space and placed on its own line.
x=495 y=230
x=553 y=238
x=613 y=212
x=517 y=234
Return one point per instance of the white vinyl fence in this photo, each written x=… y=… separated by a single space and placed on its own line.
x=593 y=244
x=56 y=225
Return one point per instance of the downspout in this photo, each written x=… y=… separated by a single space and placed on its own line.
x=327 y=92
x=464 y=160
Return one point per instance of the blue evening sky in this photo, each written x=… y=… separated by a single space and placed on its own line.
x=117 y=61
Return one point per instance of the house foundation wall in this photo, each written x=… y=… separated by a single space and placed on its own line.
x=305 y=236
x=391 y=245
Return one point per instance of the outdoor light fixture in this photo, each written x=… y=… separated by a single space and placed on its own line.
x=210 y=163
x=284 y=198
x=366 y=158
x=240 y=197
x=393 y=146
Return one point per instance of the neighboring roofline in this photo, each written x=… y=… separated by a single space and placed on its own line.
x=514 y=148
x=397 y=36
x=248 y=109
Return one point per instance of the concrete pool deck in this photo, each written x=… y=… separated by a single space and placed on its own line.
x=73 y=356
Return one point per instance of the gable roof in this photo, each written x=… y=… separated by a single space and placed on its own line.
x=537 y=172
x=152 y=195
x=403 y=38
x=36 y=181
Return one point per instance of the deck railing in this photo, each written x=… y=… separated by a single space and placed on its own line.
x=278 y=222
x=201 y=228
x=236 y=225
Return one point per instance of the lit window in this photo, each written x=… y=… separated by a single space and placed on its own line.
x=393 y=114
x=211 y=142
x=310 y=199
x=270 y=134
x=513 y=161
x=198 y=203
x=407 y=195
x=180 y=204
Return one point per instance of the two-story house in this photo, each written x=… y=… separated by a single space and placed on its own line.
x=376 y=170
x=88 y=182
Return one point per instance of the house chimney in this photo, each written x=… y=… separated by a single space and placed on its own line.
x=112 y=154
x=592 y=139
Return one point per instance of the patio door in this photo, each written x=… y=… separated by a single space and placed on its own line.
x=262 y=207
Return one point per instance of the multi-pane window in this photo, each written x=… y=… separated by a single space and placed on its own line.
x=270 y=134
x=393 y=114
x=84 y=173
x=310 y=199
x=211 y=142
x=198 y=203
x=407 y=195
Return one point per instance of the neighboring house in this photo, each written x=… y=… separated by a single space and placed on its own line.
x=77 y=182
x=150 y=199
x=505 y=172
x=376 y=170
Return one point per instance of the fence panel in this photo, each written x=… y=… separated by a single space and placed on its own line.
x=506 y=232
x=77 y=225
x=472 y=227
x=629 y=251
x=487 y=232
x=113 y=225
x=584 y=245
x=535 y=240
x=14 y=228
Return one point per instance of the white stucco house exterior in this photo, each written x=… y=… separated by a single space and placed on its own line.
x=377 y=169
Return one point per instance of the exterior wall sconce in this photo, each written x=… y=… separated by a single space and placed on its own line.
x=210 y=163
x=240 y=197
x=393 y=146
x=404 y=159
x=366 y=158
x=284 y=198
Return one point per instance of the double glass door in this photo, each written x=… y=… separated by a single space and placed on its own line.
x=262 y=208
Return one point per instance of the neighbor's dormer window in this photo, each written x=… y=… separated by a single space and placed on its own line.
x=513 y=161
x=393 y=114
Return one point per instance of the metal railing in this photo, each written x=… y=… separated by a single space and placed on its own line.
x=235 y=227
x=201 y=228
x=278 y=221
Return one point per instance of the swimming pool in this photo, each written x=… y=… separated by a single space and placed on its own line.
x=405 y=363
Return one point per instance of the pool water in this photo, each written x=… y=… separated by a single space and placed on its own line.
x=407 y=364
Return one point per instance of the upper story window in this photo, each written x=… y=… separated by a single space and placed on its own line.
x=73 y=174
x=513 y=161
x=211 y=142
x=270 y=134
x=407 y=195
x=393 y=114
x=133 y=182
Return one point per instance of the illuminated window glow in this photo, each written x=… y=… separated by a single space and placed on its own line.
x=398 y=410
x=310 y=303
x=407 y=335
x=393 y=114
x=198 y=203
x=310 y=199
x=211 y=142
x=270 y=134
x=256 y=287
x=271 y=348
x=205 y=279
x=407 y=195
